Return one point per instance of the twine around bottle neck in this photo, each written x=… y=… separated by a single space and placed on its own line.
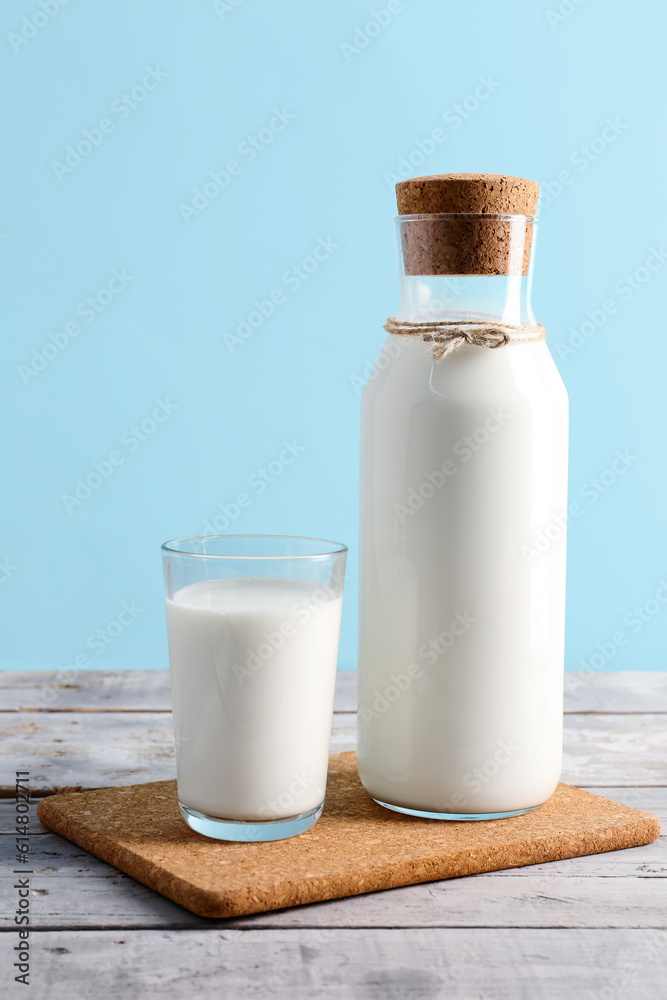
x=448 y=336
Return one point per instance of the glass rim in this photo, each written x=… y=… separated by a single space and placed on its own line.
x=496 y=217
x=170 y=548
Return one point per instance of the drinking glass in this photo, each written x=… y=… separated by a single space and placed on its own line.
x=253 y=623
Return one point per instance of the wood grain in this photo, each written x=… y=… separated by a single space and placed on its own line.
x=345 y=964
x=590 y=928
x=89 y=750
x=75 y=889
x=148 y=691
x=115 y=691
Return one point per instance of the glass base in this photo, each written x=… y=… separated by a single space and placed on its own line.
x=422 y=814
x=250 y=831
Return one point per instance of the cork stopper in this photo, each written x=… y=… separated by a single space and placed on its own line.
x=466 y=242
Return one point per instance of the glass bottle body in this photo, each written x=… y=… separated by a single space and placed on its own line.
x=463 y=469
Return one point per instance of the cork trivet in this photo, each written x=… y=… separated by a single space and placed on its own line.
x=467 y=243
x=356 y=847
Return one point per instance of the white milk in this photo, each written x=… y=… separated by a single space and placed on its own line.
x=253 y=667
x=463 y=473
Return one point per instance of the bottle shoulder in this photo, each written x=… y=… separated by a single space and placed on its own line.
x=406 y=369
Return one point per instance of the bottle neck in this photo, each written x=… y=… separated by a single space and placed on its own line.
x=482 y=262
x=468 y=297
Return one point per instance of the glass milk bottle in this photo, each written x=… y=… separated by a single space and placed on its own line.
x=463 y=466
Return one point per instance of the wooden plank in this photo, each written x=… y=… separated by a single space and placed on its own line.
x=148 y=690
x=615 y=750
x=115 y=691
x=380 y=964
x=71 y=750
x=117 y=901
x=8 y=818
x=622 y=691
x=346 y=691
x=85 y=690
x=90 y=750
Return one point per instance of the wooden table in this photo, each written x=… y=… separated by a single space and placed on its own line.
x=593 y=928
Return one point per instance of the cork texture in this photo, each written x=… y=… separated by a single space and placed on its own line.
x=356 y=847
x=466 y=242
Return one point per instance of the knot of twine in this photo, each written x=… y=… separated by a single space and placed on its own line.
x=447 y=336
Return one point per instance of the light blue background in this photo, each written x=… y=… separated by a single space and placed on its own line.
x=356 y=114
